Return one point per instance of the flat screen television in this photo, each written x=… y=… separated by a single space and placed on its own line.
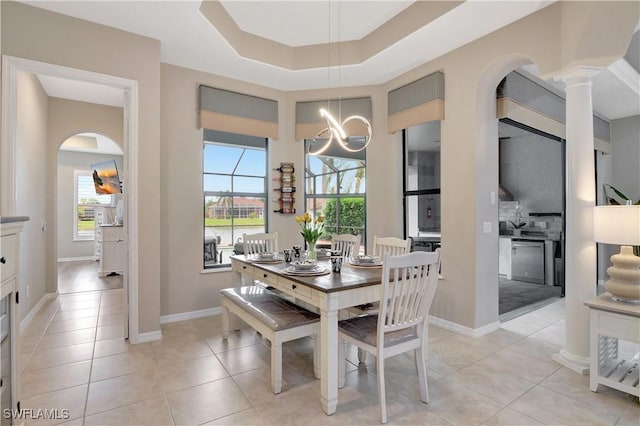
x=106 y=178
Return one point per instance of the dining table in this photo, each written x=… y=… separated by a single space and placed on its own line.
x=329 y=292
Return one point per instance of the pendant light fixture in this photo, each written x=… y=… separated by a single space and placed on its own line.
x=335 y=129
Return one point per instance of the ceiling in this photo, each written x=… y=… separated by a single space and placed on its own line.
x=190 y=39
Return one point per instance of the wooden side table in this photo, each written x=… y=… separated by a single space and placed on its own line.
x=612 y=321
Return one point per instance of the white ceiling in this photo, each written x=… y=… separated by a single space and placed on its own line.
x=91 y=142
x=189 y=40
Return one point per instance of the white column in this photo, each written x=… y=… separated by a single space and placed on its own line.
x=580 y=249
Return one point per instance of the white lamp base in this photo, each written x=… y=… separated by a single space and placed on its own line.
x=624 y=284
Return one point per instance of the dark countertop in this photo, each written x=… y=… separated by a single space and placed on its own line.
x=536 y=237
x=11 y=219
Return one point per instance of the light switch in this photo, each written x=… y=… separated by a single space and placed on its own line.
x=486 y=227
x=493 y=197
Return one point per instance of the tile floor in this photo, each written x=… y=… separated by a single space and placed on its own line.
x=75 y=358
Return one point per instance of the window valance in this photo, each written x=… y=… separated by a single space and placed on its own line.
x=234 y=112
x=309 y=122
x=523 y=100
x=415 y=103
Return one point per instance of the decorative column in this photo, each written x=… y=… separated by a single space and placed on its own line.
x=580 y=249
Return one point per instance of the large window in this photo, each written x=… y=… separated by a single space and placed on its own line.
x=235 y=197
x=422 y=185
x=85 y=202
x=335 y=186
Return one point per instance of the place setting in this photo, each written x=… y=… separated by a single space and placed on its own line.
x=365 y=261
x=267 y=257
x=306 y=268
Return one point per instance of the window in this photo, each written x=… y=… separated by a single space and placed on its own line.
x=235 y=192
x=335 y=186
x=422 y=185
x=86 y=201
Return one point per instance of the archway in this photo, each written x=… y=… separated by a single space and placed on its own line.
x=90 y=239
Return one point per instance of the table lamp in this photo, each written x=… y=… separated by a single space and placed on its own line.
x=620 y=225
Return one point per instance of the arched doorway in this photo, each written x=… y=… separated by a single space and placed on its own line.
x=90 y=243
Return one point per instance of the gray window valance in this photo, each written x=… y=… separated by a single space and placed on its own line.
x=238 y=113
x=524 y=100
x=418 y=102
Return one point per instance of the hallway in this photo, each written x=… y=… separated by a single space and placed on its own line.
x=80 y=276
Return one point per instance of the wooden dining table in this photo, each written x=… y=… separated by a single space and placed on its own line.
x=352 y=286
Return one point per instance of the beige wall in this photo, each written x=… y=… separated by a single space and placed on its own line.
x=184 y=287
x=68 y=118
x=68 y=163
x=32 y=197
x=468 y=295
x=43 y=36
x=171 y=145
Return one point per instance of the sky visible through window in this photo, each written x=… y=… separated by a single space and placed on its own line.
x=241 y=162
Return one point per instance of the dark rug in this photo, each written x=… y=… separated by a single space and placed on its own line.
x=517 y=294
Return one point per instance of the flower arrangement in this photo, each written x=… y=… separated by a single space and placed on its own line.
x=311 y=229
x=518 y=223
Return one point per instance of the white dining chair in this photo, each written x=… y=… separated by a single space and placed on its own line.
x=257 y=243
x=347 y=244
x=390 y=246
x=408 y=285
x=382 y=247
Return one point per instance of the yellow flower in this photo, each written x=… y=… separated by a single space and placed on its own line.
x=311 y=229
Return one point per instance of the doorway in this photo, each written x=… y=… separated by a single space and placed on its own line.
x=531 y=212
x=90 y=244
x=11 y=66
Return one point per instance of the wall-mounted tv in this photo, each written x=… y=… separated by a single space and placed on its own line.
x=106 y=178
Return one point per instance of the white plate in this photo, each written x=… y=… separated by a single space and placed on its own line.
x=364 y=259
x=301 y=265
x=365 y=264
x=266 y=256
x=317 y=270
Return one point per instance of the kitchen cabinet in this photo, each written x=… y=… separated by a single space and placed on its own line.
x=112 y=249
x=504 y=264
x=9 y=298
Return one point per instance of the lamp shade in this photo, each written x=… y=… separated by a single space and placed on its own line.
x=617 y=225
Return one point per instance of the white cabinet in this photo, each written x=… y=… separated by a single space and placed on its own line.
x=612 y=322
x=504 y=265
x=103 y=216
x=9 y=330
x=111 y=248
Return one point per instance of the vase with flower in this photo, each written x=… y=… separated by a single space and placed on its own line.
x=312 y=229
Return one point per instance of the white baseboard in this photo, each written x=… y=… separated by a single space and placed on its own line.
x=149 y=337
x=27 y=320
x=164 y=319
x=461 y=329
x=76 y=259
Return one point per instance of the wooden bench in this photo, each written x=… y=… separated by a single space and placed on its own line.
x=275 y=318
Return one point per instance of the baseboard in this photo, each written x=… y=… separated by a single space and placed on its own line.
x=76 y=259
x=184 y=316
x=27 y=320
x=461 y=329
x=149 y=337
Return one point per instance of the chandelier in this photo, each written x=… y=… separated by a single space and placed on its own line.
x=335 y=129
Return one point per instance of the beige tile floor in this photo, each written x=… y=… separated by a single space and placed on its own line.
x=73 y=357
